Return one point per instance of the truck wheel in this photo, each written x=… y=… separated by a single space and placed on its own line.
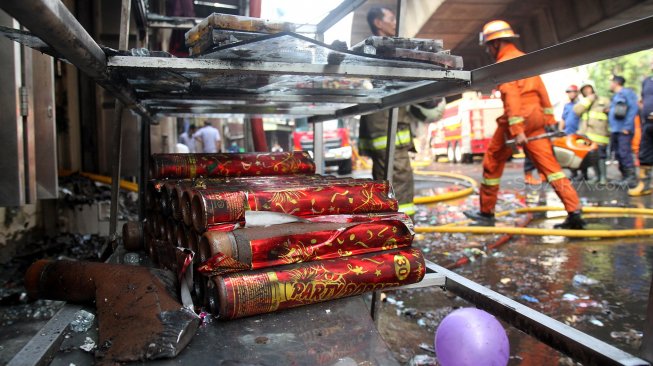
x=468 y=158
x=344 y=167
x=450 y=154
x=457 y=153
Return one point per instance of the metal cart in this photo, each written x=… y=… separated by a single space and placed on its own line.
x=135 y=83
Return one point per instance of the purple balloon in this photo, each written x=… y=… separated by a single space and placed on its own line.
x=471 y=337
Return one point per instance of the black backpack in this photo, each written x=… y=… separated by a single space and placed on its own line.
x=620 y=110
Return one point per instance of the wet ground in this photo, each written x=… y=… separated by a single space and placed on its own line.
x=608 y=303
x=600 y=287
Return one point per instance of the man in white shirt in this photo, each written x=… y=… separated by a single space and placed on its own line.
x=209 y=136
x=187 y=139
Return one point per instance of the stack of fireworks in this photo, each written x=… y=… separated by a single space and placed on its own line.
x=266 y=233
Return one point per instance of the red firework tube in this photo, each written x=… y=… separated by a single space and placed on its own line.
x=163 y=228
x=171 y=231
x=368 y=217
x=181 y=236
x=186 y=214
x=210 y=207
x=254 y=184
x=261 y=247
x=156 y=226
x=149 y=222
x=262 y=291
x=165 y=254
x=192 y=240
x=225 y=165
x=153 y=192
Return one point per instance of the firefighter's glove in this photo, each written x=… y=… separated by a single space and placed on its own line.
x=551 y=128
x=520 y=139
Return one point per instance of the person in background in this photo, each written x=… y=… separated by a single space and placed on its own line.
x=233 y=148
x=592 y=111
x=187 y=139
x=276 y=147
x=646 y=144
x=621 y=118
x=209 y=136
x=570 y=118
x=527 y=113
x=373 y=128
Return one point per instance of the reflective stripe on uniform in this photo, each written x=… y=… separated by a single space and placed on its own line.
x=491 y=181
x=515 y=120
x=380 y=143
x=584 y=116
x=407 y=208
x=547 y=110
x=598 y=115
x=598 y=138
x=555 y=176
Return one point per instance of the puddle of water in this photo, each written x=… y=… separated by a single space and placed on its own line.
x=539 y=272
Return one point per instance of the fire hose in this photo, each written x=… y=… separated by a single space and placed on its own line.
x=448 y=195
x=455 y=228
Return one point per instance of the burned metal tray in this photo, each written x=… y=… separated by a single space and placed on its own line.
x=283 y=74
x=328 y=333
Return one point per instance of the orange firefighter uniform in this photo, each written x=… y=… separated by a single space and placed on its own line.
x=527 y=109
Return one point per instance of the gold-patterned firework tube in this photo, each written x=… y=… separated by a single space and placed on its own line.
x=254 y=184
x=210 y=207
x=260 y=247
x=180 y=166
x=262 y=291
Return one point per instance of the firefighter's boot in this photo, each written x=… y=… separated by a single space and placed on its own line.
x=574 y=221
x=630 y=179
x=643 y=187
x=603 y=172
x=532 y=179
x=480 y=218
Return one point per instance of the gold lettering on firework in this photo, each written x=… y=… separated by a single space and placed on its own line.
x=402 y=267
x=316 y=283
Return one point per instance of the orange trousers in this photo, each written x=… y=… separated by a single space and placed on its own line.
x=541 y=154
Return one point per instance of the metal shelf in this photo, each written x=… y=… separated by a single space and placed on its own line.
x=285 y=73
x=179 y=86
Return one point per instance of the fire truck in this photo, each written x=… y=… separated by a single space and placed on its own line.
x=337 y=145
x=466 y=127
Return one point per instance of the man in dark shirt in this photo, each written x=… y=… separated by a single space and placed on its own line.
x=621 y=118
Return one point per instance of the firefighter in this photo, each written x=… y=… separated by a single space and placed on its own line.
x=527 y=113
x=373 y=129
x=593 y=112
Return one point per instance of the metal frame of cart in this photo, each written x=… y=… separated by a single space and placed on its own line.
x=51 y=21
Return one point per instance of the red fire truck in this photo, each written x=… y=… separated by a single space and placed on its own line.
x=337 y=146
x=466 y=127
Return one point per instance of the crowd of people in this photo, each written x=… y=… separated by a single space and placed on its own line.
x=620 y=125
